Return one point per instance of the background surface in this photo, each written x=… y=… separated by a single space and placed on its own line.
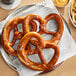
x=68 y=68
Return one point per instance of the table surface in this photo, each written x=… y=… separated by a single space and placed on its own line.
x=68 y=68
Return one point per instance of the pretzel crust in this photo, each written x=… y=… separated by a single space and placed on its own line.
x=56 y=36
x=24 y=48
x=13 y=23
x=32 y=17
x=42 y=28
x=22 y=53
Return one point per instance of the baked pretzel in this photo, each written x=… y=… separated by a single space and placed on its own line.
x=58 y=34
x=42 y=28
x=22 y=53
x=12 y=24
x=30 y=18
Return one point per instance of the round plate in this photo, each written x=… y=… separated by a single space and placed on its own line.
x=23 y=11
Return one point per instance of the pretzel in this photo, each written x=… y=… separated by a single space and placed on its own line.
x=32 y=17
x=42 y=28
x=13 y=23
x=58 y=34
x=22 y=53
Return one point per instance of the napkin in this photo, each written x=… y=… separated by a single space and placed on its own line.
x=11 y=6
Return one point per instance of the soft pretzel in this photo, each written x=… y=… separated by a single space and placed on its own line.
x=12 y=24
x=42 y=28
x=22 y=53
x=28 y=19
x=32 y=17
x=58 y=34
x=27 y=35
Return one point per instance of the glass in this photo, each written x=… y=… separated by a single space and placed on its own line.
x=8 y=1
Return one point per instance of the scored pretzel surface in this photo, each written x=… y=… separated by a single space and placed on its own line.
x=32 y=17
x=23 y=54
x=28 y=19
x=13 y=24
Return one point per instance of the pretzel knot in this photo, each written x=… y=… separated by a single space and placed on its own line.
x=42 y=27
x=23 y=54
x=13 y=24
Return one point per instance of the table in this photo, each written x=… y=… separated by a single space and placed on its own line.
x=68 y=68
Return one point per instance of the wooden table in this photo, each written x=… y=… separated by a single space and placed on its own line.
x=68 y=68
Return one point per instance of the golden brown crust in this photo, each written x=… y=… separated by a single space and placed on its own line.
x=42 y=28
x=60 y=28
x=24 y=48
x=30 y=18
x=13 y=23
x=5 y=34
x=26 y=22
x=22 y=53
